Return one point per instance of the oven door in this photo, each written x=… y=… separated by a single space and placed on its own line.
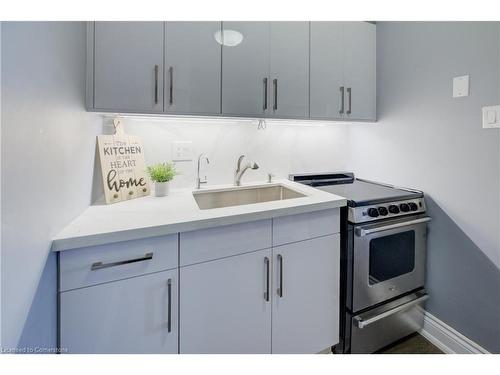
x=389 y=260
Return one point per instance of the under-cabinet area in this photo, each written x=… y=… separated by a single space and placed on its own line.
x=295 y=69
x=253 y=287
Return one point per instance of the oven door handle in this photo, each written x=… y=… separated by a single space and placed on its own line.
x=363 y=232
x=361 y=323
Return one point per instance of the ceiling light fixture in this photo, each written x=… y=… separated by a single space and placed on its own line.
x=228 y=38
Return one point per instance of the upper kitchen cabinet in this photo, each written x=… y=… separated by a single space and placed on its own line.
x=155 y=67
x=327 y=76
x=343 y=70
x=265 y=69
x=289 y=66
x=297 y=70
x=360 y=41
x=193 y=68
x=127 y=66
x=245 y=68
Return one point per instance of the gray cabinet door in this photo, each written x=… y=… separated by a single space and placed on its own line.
x=306 y=295
x=289 y=54
x=192 y=68
x=327 y=76
x=127 y=316
x=128 y=66
x=360 y=70
x=223 y=306
x=245 y=68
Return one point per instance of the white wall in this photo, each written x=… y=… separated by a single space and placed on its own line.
x=47 y=152
x=282 y=148
x=425 y=139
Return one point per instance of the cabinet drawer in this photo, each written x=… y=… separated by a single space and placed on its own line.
x=300 y=227
x=99 y=264
x=214 y=243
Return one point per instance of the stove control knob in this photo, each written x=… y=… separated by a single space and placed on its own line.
x=372 y=212
x=404 y=207
x=382 y=211
x=413 y=206
x=393 y=209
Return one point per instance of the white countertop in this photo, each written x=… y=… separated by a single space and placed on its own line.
x=178 y=212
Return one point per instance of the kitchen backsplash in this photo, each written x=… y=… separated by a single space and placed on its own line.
x=278 y=147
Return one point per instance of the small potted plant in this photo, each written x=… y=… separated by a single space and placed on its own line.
x=161 y=174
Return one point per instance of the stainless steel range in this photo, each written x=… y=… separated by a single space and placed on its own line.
x=383 y=236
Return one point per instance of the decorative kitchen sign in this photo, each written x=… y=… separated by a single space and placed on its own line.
x=122 y=165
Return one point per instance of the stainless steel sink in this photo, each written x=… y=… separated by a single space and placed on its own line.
x=243 y=195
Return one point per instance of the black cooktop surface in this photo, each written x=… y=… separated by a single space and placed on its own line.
x=361 y=193
x=357 y=192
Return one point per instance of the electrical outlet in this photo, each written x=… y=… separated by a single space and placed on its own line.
x=491 y=117
x=182 y=151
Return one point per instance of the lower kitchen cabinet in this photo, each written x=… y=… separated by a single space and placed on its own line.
x=306 y=295
x=239 y=305
x=224 y=306
x=267 y=286
x=135 y=315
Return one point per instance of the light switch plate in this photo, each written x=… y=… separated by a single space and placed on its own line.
x=491 y=117
x=182 y=151
x=460 y=86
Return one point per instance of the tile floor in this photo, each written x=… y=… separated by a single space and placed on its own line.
x=414 y=344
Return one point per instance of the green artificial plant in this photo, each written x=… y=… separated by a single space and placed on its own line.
x=162 y=172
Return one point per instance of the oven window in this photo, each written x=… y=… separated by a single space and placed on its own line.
x=391 y=256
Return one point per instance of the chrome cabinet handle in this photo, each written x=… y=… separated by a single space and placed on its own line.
x=266 y=293
x=100 y=265
x=171 y=86
x=156 y=84
x=341 y=111
x=349 y=101
x=360 y=232
x=280 y=287
x=361 y=323
x=275 y=85
x=265 y=94
x=169 y=302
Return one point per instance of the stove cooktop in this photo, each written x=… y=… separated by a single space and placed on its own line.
x=362 y=193
x=358 y=192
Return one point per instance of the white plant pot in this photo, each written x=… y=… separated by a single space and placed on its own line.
x=162 y=188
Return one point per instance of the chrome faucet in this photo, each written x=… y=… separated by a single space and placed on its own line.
x=199 y=181
x=238 y=173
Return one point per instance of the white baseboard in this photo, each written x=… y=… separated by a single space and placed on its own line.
x=448 y=339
